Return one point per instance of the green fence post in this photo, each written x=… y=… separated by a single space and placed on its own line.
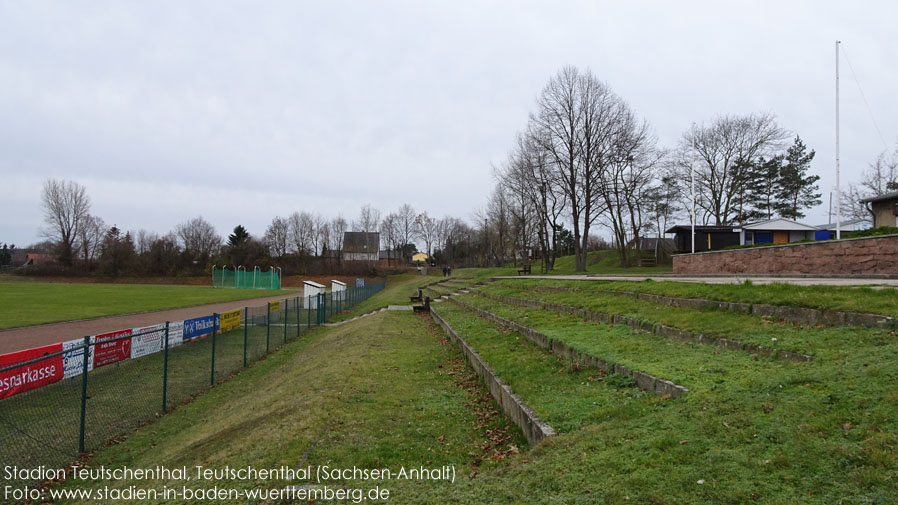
x=212 y=372
x=245 y=330
x=286 y=317
x=84 y=357
x=165 y=368
x=296 y=306
x=268 y=328
x=308 y=313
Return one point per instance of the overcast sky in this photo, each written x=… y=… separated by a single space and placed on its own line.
x=240 y=111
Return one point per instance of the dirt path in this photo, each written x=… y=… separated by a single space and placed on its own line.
x=17 y=339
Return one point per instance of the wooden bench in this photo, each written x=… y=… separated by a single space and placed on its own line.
x=525 y=269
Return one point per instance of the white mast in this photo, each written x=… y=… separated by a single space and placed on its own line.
x=692 y=173
x=838 y=194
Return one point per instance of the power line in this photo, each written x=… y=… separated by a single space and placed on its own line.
x=864 y=97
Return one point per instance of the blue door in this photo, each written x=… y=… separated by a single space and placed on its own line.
x=763 y=237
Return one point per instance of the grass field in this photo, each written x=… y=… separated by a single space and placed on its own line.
x=388 y=390
x=396 y=394
x=28 y=303
x=843 y=298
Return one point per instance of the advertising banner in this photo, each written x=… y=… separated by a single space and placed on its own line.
x=198 y=327
x=28 y=377
x=73 y=359
x=274 y=306
x=175 y=333
x=229 y=320
x=108 y=350
x=147 y=340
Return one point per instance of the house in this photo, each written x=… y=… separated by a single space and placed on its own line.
x=390 y=259
x=776 y=231
x=884 y=209
x=422 y=257
x=39 y=259
x=707 y=238
x=828 y=231
x=361 y=246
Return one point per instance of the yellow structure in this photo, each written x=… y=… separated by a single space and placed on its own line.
x=422 y=257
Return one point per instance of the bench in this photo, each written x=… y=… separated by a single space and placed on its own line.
x=525 y=269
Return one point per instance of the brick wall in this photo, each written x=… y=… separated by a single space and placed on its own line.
x=864 y=256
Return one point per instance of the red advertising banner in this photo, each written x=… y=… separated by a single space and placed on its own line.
x=28 y=377
x=106 y=352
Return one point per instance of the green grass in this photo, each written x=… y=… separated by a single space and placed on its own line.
x=818 y=341
x=379 y=392
x=396 y=393
x=602 y=262
x=28 y=303
x=843 y=298
x=397 y=291
x=750 y=431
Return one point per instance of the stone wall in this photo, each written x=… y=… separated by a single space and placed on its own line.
x=861 y=256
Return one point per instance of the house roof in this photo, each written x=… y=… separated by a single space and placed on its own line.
x=388 y=254
x=852 y=224
x=779 y=225
x=361 y=242
x=705 y=228
x=887 y=196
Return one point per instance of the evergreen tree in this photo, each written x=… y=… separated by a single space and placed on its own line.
x=796 y=189
x=239 y=237
x=764 y=185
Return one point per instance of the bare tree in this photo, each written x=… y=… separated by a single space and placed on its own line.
x=143 y=240
x=405 y=224
x=389 y=232
x=301 y=231
x=880 y=177
x=338 y=227
x=198 y=238
x=724 y=150
x=278 y=236
x=90 y=238
x=426 y=228
x=66 y=208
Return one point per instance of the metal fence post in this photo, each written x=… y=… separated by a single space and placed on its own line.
x=286 y=317
x=296 y=306
x=165 y=368
x=212 y=372
x=84 y=358
x=245 y=330
x=308 y=313
x=268 y=327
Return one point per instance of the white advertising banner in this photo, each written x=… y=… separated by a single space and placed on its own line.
x=147 y=340
x=175 y=333
x=73 y=359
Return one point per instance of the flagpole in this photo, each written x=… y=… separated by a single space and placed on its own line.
x=838 y=188
x=692 y=173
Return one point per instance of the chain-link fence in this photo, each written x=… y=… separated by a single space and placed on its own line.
x=57 y=402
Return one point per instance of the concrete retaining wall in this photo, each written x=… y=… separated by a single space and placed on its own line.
x=860 y=256
x=643 y=380
x=534 y=428
x=659 y=329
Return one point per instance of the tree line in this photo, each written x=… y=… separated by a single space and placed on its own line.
x=586 y=159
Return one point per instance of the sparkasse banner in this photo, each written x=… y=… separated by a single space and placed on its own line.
x=32 y=376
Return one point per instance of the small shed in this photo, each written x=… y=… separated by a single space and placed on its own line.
x=338 y=290
x=310 y=291
x=707 y=238
x=884 y=209
x=776 y=231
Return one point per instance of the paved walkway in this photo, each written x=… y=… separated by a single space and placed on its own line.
x=17 y=339
x=734 y=279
